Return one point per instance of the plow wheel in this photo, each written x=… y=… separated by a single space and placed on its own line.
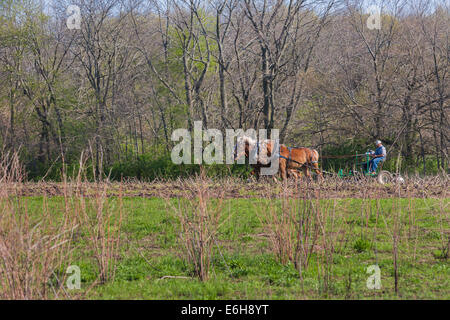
x=384 y=177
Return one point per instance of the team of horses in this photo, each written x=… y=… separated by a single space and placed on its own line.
x=290 y=160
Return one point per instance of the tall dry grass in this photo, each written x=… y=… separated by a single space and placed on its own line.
x=101 y=218
x=301 y=228
x=200 y=220
x=33 y=248
x=36 y=243
x=313 y=227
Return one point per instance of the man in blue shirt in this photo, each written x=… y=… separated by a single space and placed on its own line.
x=378 y=156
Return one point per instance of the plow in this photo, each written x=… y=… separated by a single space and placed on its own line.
x=360 y=168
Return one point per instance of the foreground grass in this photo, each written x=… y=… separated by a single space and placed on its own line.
x=244 y=266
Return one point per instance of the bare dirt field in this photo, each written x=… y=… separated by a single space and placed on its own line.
x=434 y=187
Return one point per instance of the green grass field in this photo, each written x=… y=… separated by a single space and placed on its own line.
x=244 y=265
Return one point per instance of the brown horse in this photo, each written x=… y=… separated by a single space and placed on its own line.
x=249 y=146
x=294 y=159
x=290 y=159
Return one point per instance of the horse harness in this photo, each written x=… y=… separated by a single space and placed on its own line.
x=289 y=158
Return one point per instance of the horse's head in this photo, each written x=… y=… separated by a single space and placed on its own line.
x=268 y=146
x=266 y=151
x=243 y=146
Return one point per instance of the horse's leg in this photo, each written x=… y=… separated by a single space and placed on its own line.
x=274 y=177
x=317 y=170
x=252 y=173
x=257 y=173
x=306 y=172
x=283 y=170
x=290 y=173
x=296 y=176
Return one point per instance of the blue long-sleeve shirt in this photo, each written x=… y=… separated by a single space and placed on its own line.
x=381 y=151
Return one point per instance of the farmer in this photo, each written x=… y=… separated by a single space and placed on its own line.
x=378 y=156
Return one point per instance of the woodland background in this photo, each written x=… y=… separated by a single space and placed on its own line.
x=136 y=70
